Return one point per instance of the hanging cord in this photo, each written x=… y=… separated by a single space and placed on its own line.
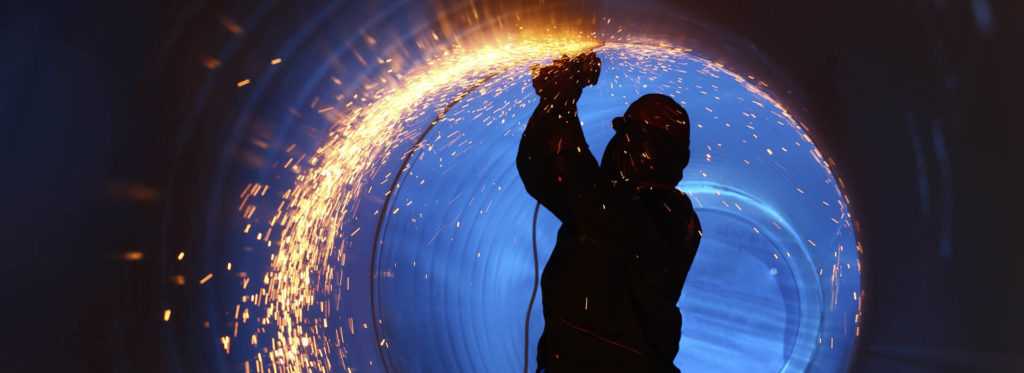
x=377 y=238
x=377 y=235
x=529 y=310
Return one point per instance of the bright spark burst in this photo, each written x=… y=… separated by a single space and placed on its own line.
x=297 y=292
x=301 y=277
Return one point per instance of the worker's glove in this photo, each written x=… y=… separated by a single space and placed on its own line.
x=564 y=78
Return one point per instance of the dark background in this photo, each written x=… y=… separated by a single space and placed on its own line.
x=916 y=102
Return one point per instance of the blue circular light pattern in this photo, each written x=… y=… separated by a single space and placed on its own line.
x=776 y=283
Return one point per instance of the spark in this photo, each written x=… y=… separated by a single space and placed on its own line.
x=132 y=256
x=367 y=127
x=232 y=26
x=317 y=206
x=211 y=63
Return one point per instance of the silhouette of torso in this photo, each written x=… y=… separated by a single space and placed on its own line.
x=611 y=285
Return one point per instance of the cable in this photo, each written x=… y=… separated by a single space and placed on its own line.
x=529 y=310
x=378 y=241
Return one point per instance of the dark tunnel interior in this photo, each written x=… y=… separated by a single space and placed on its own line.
x=128 y=131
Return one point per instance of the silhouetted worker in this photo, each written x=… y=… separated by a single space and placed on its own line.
x=628 y=236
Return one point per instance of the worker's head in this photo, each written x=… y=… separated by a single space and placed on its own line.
x=651 y=142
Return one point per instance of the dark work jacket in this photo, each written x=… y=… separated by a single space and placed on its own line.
x=611 y=285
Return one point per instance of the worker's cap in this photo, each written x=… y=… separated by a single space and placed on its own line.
x=661 y=112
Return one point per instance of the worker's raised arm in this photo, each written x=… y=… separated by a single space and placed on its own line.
x=554 y=161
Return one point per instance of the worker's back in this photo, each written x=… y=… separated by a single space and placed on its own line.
x=628 y=236
x=610 y=306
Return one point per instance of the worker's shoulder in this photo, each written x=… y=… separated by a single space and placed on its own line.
x=682 y=219
x=678 y=204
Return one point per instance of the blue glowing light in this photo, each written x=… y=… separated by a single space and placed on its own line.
x=775 y=286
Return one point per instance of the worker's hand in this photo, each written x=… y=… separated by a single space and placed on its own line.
x=565 y=78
